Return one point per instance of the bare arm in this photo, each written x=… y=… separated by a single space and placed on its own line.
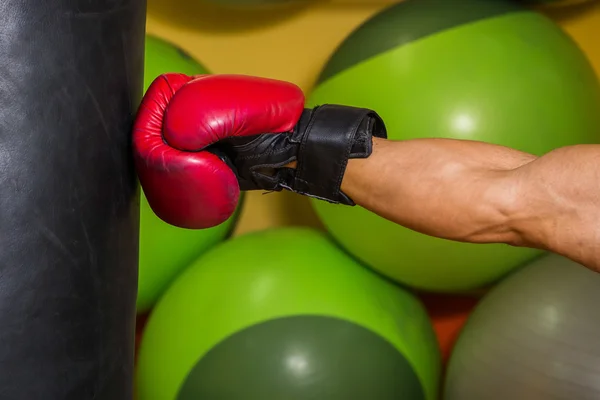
x=482 y=193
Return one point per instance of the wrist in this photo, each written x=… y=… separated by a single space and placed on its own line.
x=332 y=136
x=524 y=214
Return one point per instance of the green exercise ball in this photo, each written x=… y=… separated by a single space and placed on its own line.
x=534 y=336
x=162 y=56
x=286 y=314
x=490 y=71
x=164 y=249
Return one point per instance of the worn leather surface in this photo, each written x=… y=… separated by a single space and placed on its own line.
x=70 y=82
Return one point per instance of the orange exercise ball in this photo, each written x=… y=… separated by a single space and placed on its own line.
x=448 y=313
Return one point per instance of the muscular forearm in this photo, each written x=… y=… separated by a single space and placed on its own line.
x=558 y=207
x=482 y=193
x=457 y=190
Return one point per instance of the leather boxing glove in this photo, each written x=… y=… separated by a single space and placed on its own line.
x=179 y=117
x=198 y=140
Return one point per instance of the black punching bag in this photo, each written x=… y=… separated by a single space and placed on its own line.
x=71 y=78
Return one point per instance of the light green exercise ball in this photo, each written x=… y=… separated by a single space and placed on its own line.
x=162 y=56
x=284 y=314
x=166 y=250
x=492 y=71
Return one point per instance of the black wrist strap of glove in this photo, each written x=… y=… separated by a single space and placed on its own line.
x=330 y=136
x=322 y=142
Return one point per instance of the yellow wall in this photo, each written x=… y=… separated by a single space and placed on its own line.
x=293 y=44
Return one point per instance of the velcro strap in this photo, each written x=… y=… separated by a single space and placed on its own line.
x=324 y=151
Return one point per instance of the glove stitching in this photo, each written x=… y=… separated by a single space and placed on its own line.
x=255 y=156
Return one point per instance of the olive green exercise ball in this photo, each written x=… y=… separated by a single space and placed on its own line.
x=286 y=314
x=534 y=336
x=164 y=249
x=491 y=71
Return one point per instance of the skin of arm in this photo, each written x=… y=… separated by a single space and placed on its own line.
x=477 y=192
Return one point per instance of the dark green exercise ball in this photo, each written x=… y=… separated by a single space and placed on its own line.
x=490 y=71
x=534 y=336
x=285 y=314
x=164 y=249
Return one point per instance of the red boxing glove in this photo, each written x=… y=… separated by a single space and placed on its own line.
x=180 y=116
